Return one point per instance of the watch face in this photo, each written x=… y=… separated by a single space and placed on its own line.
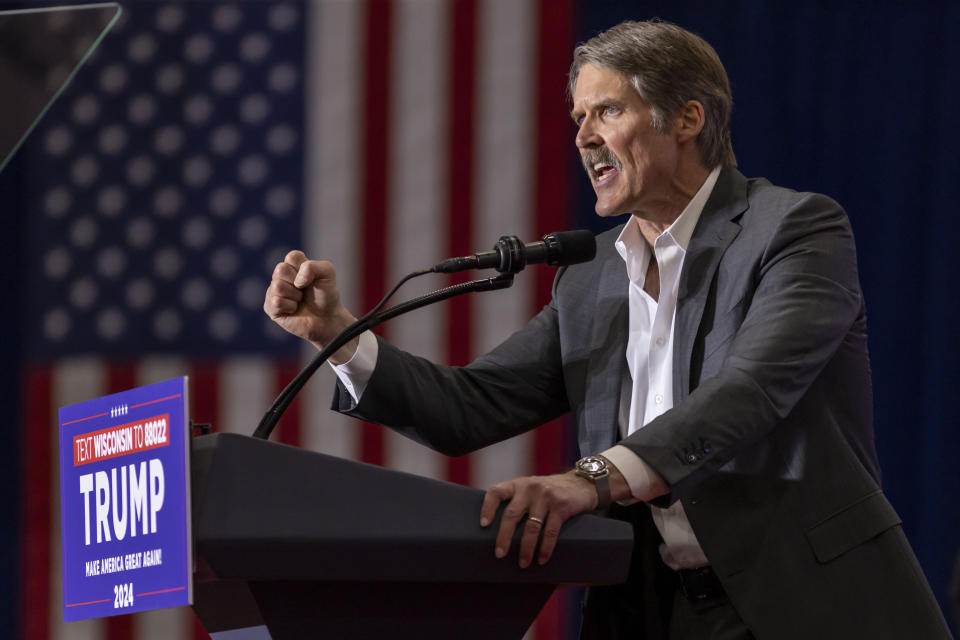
x=592 y=465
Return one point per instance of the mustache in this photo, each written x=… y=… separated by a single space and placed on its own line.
x=602 y=155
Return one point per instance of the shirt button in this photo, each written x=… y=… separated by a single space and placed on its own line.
x=661 y=341
x=658 y=399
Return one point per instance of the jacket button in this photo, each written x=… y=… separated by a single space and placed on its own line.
x=692 y=458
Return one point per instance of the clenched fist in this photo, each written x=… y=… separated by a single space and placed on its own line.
x=303 y=299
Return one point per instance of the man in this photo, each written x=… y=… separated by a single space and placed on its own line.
x=714 y=358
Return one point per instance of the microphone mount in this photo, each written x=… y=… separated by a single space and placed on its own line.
x=513 y=257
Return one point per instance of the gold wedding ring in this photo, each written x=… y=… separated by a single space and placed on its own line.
x=535 y=519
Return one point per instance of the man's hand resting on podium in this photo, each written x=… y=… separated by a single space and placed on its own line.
x=542 y=504
x=303 y=298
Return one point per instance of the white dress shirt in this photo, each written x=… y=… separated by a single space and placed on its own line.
x=649 y=392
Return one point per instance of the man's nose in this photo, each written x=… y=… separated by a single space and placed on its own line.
x=587 y=135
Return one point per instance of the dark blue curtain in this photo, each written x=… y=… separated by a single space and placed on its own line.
x=858 y=101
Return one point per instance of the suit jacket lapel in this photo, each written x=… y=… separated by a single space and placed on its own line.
x=607 y=365
x=711 y=237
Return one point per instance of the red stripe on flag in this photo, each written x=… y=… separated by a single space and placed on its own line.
x=120 y=377
x=460 y=193
x=288 y=429
x=36 y=447
x=553 y=148
x=204 y=394
x=204 y=408
x=374 y=186
x=554 y=135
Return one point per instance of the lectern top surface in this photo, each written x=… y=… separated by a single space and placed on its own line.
x=40 y=51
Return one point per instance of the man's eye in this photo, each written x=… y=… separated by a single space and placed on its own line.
x=578 y=120
x=610 y=110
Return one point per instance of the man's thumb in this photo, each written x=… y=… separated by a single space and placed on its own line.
x=303 y=276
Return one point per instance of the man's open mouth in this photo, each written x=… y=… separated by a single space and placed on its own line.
x=604 y=172
x=600 y=164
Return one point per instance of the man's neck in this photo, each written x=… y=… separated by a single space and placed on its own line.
x=679 y=194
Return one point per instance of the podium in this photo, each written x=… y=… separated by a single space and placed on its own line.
x=296 y=544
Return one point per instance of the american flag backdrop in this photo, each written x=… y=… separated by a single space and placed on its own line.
x=201 y=143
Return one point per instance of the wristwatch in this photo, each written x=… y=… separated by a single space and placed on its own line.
x=596 y=469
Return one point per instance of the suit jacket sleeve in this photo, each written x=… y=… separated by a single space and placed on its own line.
x=455 y=410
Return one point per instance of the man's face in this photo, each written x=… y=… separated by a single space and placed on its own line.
x=631 y=165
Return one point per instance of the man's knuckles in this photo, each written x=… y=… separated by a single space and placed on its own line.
x=285 y=271
x=513 y=513
x=285 y=289
x=276 y=306
x=295 y=258
x=502 y=491
x=281 y=300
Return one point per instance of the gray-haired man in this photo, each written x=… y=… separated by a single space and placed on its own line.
x=714 y=357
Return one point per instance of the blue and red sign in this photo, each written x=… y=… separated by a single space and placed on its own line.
x=125 y=502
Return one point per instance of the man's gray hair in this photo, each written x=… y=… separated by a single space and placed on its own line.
x=668 y=66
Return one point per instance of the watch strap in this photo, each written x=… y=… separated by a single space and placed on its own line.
x=604 y=498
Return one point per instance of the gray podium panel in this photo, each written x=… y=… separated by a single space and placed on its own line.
x=312 y=545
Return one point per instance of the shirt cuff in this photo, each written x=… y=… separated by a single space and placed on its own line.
x=635 y=471
x=355 y=373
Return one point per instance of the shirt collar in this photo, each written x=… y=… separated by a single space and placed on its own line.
x=630 y=240
x=682 y=227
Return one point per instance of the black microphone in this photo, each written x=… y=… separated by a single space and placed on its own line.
x=510 y=255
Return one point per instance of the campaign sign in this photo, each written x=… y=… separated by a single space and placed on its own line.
x=125 y=502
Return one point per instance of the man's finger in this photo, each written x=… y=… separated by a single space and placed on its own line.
x=548 y=537
x=492 y=499
x=285 y=289
x=311 y=271
x=285 y=272
x=295 y=258
x=277 y=306
x=282 y=298
x=532 y=528
x=512 y=513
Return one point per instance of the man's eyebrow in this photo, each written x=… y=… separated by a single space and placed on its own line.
x=575 y=111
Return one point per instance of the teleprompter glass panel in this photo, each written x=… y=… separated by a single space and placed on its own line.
x=40 y=51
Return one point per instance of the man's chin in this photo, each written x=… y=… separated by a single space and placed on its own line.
x=607 y=210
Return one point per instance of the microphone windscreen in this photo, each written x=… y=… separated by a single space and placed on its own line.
x=570 y=247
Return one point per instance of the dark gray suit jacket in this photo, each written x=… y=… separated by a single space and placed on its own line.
x=770 y=441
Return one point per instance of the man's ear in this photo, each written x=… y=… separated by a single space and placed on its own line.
x=688 y=123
